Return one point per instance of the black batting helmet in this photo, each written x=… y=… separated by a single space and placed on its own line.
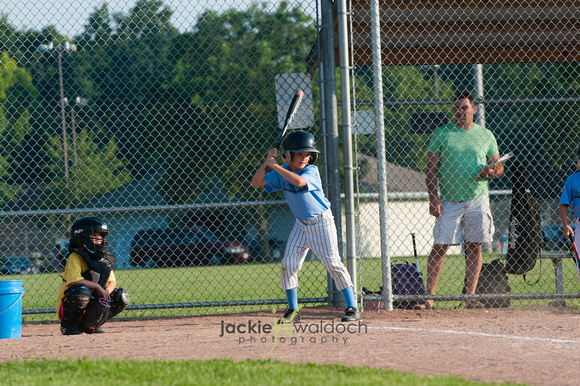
x=298 y=142
x=81 y=232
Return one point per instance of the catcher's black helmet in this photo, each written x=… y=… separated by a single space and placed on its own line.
x=298 y=142
x=81 y=232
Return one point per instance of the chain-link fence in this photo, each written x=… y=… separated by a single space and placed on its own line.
x=155 y=115
x=519 y=60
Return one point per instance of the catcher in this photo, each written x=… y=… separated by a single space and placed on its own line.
x=88 y=296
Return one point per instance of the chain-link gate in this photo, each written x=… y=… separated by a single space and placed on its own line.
x=155 y=120
x=519 y=60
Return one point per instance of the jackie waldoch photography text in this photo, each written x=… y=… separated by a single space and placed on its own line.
x=272 y=333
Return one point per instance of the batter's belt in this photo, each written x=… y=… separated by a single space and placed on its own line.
x=326 y=214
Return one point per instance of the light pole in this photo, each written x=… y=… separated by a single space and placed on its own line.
x=78 y=101
x=60 y=50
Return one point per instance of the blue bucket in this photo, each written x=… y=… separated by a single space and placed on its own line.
x=11 y=309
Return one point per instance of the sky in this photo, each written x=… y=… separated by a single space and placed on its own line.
x=70 y=16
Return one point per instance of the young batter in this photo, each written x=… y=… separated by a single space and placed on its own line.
x=314 y=228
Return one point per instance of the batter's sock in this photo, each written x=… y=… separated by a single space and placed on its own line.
x=349 y=297
x=292 y=295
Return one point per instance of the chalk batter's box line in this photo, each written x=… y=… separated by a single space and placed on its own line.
x=512 y=337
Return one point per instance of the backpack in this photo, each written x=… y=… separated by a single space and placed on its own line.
x=525 y=229
x=406 y=280
x=493 y=279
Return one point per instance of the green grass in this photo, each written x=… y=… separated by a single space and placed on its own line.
x=214 y=372
x=262 y=282
x=186 y=285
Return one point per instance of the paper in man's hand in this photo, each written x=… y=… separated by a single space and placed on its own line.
x=501 y=159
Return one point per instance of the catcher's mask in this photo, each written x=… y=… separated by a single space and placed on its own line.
x=82 y=232
x=298 y=142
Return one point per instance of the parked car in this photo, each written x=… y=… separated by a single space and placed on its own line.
x=171 y=247
x=17 y=265
x=56 y=261
x=277 y=248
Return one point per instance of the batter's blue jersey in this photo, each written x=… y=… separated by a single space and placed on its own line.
x=306 y=202
x=571 y=194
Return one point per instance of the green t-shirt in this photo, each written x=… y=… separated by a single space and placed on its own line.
x=463 y=154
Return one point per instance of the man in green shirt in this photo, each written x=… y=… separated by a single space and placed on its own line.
x=457 y=172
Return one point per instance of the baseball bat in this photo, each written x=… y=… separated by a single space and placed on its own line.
x=294 y=104
x=576 y=258
x=415 y=253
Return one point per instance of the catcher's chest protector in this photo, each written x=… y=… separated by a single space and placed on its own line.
x=99 y=270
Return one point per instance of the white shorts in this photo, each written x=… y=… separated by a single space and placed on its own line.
x=469 y=220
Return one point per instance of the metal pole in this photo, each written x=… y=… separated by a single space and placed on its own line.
x=331 y=130
x=381 y=152
x=63 y=113
x=478 y=83
x=74 y=133
x=322 y=85
x=436 y=87
x=347 y=143
x=64 y=139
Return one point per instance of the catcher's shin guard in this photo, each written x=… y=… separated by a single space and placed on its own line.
x=95 y=315
x=75 y=301
x=119 y=301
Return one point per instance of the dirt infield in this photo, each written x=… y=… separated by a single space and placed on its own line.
x=526 y=346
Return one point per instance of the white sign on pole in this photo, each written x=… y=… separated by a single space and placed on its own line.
x=363 y=122
x=286 y=87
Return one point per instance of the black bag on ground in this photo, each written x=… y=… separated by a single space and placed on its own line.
x=525 y=228
x=406 y=280
x=493 y=279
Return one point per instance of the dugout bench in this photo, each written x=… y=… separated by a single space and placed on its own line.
x=556 y=258
x=375 y=301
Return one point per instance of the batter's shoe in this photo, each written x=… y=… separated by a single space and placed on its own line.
x=72 y=330
x=290 y=316
x=351 y=314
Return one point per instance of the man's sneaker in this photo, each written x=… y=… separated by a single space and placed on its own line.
x=72 y=330
x=473 y=304
x=351 y=314
x=290 y=316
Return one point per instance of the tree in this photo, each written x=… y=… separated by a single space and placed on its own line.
x=99 y=27
x=402 y=83
x=98 y=172
x=127 y=70
x=226 y=68
x=18 y=103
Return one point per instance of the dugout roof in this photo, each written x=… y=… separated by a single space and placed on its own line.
x=418 y=32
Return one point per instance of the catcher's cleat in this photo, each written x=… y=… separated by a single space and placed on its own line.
x=72 y=330
x=351 y=314
x=290 y=316
x=99 y=331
